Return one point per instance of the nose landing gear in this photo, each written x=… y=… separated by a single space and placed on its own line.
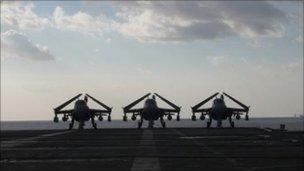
x=81 y=125
x=219 y=124
x=232 y=124
x=151 y=124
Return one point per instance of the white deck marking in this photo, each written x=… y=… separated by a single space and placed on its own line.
x=267 y=129
x=146 y=163
x=13 y=143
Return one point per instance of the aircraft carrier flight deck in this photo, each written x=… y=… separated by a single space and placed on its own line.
x=152 y=149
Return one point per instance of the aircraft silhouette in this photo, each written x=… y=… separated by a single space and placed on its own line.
x=150 y=111
x=219 y=111
x=81 y=112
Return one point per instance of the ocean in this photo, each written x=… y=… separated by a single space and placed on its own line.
x=291 y=123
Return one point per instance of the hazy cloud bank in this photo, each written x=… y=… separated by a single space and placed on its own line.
x=18 y=45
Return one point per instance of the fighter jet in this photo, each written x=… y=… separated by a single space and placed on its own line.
x=81 y=112
x=219 y=111
x=150 y=111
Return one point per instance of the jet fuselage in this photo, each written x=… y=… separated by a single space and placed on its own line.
x=151 y=110
x=81 y=111
x=219 y=111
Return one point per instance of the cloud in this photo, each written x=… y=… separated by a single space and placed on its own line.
x=217 y=60
x=143 y=71
x=292 y=65
x=80 y=22
x=24 y=17
x=108 y=40
x=18 y=45
x=259 y=44
x=189 y=21
x=16 y=15
x=169 y=21
x=296 y=17
x=299 y=39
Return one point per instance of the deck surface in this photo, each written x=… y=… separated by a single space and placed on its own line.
x=152 y=149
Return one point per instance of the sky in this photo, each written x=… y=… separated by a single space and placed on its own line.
x=119 y=51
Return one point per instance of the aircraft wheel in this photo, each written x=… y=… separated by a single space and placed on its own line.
x=208 y=124
x=81 y=125
x=100 y=118
x=193 y=118
x=232 y=124
x=219 y=124
x=150 y=124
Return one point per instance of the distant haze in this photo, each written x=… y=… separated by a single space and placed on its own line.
x=119 y=51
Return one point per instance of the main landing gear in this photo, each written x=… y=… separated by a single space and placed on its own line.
x=71 y=124
x=93 y=123
x=209 y=123
x=231 y=122
x=140 y=123
x=163 y=123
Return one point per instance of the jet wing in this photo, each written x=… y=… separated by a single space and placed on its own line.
x=196 y=107
x=65 y=112
x=204 y=110
x=99 y=111
x=168 y=102
x=109 y=109
x=58 y=109
x=134 y=111
x=236 y=110
x=168 y=111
